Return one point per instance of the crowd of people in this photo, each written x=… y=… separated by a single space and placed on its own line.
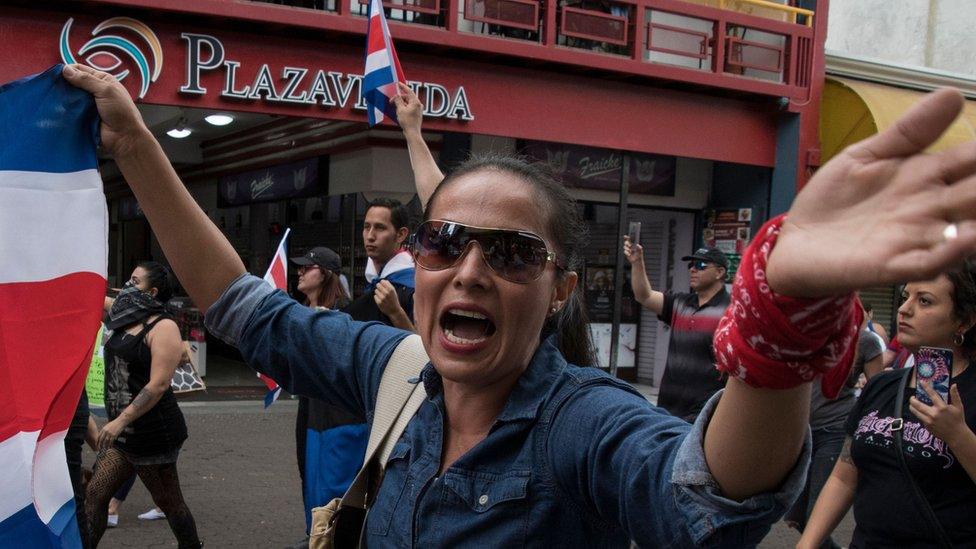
x=516 y=441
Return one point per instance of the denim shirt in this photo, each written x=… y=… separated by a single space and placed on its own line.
x=575 y=459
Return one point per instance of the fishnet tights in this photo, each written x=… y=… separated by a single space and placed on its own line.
x=163 y=483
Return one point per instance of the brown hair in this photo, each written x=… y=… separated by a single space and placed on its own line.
x=963 y=279
x=331 y=293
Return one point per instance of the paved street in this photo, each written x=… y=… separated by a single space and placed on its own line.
x=240 y=480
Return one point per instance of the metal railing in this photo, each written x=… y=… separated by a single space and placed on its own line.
x=705 y=42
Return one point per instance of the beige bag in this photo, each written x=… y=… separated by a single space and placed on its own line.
x=396 y=403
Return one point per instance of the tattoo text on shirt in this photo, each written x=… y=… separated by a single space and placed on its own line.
x=918 y=441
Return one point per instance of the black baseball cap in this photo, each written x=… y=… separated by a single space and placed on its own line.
x=321 y=256
x=712 y=255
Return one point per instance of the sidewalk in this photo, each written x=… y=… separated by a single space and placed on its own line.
x=239 y=476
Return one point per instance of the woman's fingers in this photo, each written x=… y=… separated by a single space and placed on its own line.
x=954 y=397
x=925 y=263
x=92 y=81
x=937 y=400
x=916 y=406
x=915 y=130
x=959 y=162
x=959 y=199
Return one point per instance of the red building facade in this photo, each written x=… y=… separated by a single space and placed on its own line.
x=730 y=95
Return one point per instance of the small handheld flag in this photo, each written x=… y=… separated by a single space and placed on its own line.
x=277 y=277
x=382 y=70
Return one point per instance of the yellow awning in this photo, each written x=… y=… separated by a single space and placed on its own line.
x=853 y=110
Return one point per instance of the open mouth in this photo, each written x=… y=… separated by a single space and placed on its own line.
x=463 y=327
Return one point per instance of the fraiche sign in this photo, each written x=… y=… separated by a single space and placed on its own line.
x=302 y=85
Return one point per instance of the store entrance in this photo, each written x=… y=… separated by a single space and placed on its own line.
x=666 y=236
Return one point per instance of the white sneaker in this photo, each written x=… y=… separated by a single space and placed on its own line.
x=152 y=514
x=112 y=522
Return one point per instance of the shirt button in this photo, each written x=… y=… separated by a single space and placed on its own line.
x=483 y=499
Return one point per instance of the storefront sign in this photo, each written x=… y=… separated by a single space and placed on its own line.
x=730 y=231
x=534 y=101
x=593 y=168
x=295 y=180
x=206 y=53
x=302 y=85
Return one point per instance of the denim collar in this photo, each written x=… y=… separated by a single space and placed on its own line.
x=531 y=390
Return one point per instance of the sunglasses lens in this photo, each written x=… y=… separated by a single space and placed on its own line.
x=516 y=257
x=698 y=265
x=439 y=245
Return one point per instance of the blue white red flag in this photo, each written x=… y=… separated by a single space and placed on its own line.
x=382 y=70
x=53 y=257
x=277 y=277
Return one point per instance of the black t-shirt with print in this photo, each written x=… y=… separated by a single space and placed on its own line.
x=884 y=509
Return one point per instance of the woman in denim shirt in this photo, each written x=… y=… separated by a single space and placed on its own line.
x=515 y=446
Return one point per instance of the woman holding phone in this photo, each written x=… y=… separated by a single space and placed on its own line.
x=938 y=441
x=514 y=445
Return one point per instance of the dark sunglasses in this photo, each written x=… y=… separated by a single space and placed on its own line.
x=302 y=269
x=516 y=256
x=698 y=265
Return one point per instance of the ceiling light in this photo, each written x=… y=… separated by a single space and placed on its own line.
x=219 y=119
x=180 y=131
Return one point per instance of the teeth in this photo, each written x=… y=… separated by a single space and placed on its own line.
x=468 y=314
x=460 y=340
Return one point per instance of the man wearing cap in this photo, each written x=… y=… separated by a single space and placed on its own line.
x=690 y=377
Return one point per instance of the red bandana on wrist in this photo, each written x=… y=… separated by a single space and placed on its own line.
x=778 y=342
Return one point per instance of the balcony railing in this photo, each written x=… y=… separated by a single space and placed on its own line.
x=702 y=42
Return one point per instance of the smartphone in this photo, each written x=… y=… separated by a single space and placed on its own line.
x=933 y=365
x=633 y=231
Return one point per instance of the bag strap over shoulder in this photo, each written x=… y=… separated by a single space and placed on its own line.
x=396 y=403
x=941 y=538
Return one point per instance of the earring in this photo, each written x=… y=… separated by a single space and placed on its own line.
x=960 y=339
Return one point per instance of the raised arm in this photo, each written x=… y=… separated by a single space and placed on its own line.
x=643 y=293
x=880 y=213
x=427 y=175
x=202 y=258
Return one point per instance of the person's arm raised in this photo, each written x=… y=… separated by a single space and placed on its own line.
x=410 y=113
x=875 y=215
x=643 y=292
x=202 y=258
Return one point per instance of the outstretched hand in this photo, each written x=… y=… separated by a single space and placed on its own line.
x=410 y=111
x=944 y=420
x=633 y=251
x=882 y=211
x=121 y=120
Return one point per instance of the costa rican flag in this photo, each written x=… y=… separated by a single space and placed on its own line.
x=53 y=257
x=382 y=67
x=277 y=277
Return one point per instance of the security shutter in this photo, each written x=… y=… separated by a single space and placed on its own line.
x=884 y=303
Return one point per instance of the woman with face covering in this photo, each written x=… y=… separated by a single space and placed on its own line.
x=146 y=428
x=516 y=446
x=938 y=439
